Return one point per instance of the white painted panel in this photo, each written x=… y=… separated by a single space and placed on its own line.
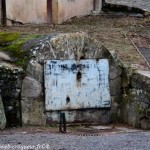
x=63 y=89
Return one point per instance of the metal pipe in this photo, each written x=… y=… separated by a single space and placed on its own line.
x=62 y=124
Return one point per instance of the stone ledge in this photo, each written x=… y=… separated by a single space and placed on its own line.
x=141 y=4
x=144 y=73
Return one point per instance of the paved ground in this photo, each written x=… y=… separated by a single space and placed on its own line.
x=142 y=4
x=112 y=137
x=43 y=141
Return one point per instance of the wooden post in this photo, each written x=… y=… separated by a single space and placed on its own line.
x=3 y=13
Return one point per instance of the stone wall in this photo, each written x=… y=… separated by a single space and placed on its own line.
x=133 y=106
x=22 y=90
x=10 y=89
x=136 y=108
x=130 y=90
x=2 y=115
x=63 y=46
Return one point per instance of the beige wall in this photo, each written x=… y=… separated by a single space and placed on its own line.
x=27 y=11
x=35 y=11
x=70 y=8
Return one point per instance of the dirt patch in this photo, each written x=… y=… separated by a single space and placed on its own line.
x=113 y=31
x=82 y=130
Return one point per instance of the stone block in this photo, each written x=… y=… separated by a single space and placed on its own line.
x=114 y=111
x=115 y=71
x=32 y=102
x=30 y=88
x=36 y=71
x=2 y=115
x=132 y=117
x=145 y=123
x=115 y=87
x=33 y=111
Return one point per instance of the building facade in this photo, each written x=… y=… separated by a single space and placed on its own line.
x=48 y=11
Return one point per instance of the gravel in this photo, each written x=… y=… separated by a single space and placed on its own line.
x=42 y=141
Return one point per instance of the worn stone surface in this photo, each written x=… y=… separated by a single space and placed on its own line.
x=32 y=102
x=114 y=111
x=10 y=89
x=68 y=46
x=142 y=4
x=80 y=116
x=132 y=115
x=128 y=130
x=145 y=123
x=115 y=70
x=33 y=111
x=115 y=86
x=2 y=115
x=137 y=101
x=35 y=70
x=145 y=51
x=101 y=127
x=4 y=57
x=144 y=73
x=30 y=88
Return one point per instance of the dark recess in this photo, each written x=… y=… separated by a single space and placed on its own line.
x=3 y=12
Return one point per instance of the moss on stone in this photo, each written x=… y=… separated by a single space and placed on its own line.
x=6 y=38
x=12 y=43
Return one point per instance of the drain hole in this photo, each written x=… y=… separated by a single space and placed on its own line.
x=79 y=76
x=68 y=99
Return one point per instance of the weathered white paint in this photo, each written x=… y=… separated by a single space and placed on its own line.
x=71 y=8
x=27 y=11
x=63 y=89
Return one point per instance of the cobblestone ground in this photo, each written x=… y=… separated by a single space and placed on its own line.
x=42 y=141
x=143 y=4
